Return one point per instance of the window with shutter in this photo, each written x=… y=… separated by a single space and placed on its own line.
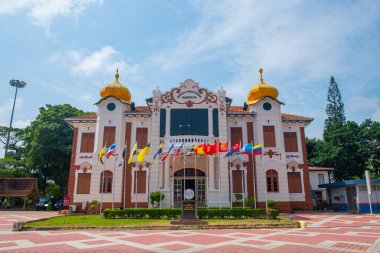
x=87 y=143
x=269 y=136
x=236 y=135
x=290 y=139
x=109 y=135
x=272 y=181
x=236 y=175
x=83 y=183
x=294 y=182
x=141 y=137
x=106 y=185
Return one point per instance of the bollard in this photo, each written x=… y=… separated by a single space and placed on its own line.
x=17 y=225
x=302 y=224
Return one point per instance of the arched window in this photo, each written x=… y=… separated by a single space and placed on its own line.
x=106 y=177
x=272 y=181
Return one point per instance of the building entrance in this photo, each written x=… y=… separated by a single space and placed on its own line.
x=188 y=180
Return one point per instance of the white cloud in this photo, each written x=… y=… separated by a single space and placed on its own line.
x=6 y=110
x=43 y=12
x=360 y=103
x=376 y=115
x=103 y=61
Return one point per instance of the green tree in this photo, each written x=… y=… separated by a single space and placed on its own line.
x=15 y=141
x=335 y=106
x=48 y=145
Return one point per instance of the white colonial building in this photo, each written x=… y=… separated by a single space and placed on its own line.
x=190 y=114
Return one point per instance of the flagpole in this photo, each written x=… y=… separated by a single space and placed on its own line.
x=254 y=179
x=242 y=178
x=196 y=184
x=101 y=199
x=207 y=178
x=158 y=172
x=172 y=191
x=219 y=181
x=231 y=181
x=125 y=173
x=113 y=183
x=136 y=186
x=266 y=190
x=184 y=176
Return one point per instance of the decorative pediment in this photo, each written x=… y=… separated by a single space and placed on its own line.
x=189 y=93
x=85 y=166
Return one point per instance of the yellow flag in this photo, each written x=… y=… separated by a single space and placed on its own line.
x=141 y=156
x=133 y=152
x=101 y=154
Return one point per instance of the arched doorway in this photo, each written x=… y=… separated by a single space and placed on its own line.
x=193 y=179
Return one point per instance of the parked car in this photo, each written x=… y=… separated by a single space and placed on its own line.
x=58 y=205
x=44 y=204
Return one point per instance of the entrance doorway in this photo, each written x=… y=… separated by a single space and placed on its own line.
x=188 y=180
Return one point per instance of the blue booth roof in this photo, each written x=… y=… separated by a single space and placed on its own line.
x=347 y=182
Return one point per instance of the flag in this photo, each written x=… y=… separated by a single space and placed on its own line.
x=211 y=149
x=110 y=150
x=167 y=153
x=235 y=148
x=159 y=151
x=101 y=154
x=248 y=149
x=178 y=150
x=123 y=155
x=141 y=156
x=133 y=152
x=223 y=146
x=200 y=149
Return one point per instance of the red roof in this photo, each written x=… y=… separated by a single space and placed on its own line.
x=320 y=168
x=18 y=187
x=89 y=116
x=239 y=109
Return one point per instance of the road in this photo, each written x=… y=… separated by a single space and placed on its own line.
x=329 y=232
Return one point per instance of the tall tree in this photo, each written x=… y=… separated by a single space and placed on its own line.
x=335 y=114
x=48 y=144
x=15 y=140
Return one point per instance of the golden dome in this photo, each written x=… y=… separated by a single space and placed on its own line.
x=116 y=90
x=261 y=90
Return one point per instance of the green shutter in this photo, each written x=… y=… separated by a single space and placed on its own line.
x=215 y=122
x=162 y=122
x=196 y=118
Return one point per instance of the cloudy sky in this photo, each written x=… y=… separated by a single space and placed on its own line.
x=66 y=50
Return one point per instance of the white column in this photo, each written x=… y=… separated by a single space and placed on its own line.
x=167 y=174
x=210 y=122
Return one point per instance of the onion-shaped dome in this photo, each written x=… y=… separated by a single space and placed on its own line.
x=116 y=90
x=261 y=91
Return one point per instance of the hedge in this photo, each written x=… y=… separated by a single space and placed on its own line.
x=203 y=213
x=139 y=213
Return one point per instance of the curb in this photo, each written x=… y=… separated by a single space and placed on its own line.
x=21 y=227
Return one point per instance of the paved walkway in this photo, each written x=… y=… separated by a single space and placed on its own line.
x=326 y=233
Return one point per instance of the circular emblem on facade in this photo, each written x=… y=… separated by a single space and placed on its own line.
x=111 y=107
x=188 y=194
x=267 y=106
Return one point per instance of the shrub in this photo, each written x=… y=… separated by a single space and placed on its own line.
x=139 y=213
x=94 y=204
x=156 y=197
x=238 y=196
x=249 y=202
x=271 y=203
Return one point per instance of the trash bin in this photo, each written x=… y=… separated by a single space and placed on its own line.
x=73 y=208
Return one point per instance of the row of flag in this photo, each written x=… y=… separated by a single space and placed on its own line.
x=202 y=149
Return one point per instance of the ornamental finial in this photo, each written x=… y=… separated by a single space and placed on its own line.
x=117 y=75
x=261 y=75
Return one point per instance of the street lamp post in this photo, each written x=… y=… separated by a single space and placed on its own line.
x=17 y=84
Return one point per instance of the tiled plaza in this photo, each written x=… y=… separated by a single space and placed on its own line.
x=330 y=232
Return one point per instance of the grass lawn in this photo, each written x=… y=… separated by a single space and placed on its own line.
x=96 y=220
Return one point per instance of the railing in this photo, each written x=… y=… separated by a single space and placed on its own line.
x=189 y=140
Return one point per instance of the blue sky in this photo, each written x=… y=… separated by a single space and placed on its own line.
x=67 y=50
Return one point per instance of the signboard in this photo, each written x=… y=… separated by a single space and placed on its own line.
x=66 y=202
x=369 y=181
x=188 y=194
x=188 y=209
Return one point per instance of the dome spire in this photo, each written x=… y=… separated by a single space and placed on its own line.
x=261 y=76
x=117 y=76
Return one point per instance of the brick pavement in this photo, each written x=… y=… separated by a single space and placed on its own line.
x=327 y=232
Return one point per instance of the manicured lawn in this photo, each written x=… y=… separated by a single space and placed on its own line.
x=96 y=220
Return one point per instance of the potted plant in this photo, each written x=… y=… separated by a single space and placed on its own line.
x=156 y=197
x=94 y=204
